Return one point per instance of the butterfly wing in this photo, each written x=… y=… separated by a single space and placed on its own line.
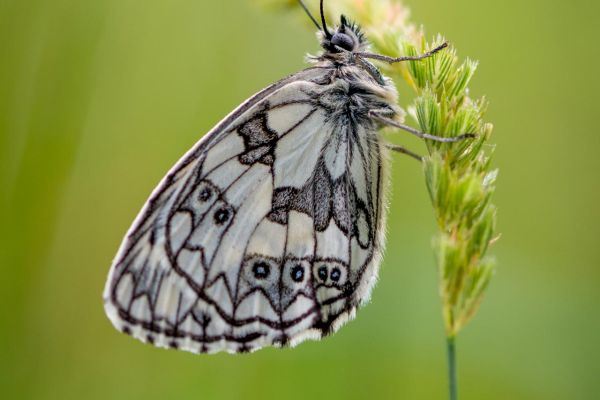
x=264 y=233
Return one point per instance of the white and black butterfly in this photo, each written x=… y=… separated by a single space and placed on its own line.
x=270 y=230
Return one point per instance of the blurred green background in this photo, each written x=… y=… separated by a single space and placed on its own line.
x=99 y=98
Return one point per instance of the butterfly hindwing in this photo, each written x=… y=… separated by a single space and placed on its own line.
x=263 y=234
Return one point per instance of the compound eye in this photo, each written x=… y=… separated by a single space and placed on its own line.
x=342 y=40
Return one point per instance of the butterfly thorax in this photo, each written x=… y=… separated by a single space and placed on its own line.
x=357 y=86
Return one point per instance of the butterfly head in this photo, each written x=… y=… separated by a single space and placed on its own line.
x=347 y=36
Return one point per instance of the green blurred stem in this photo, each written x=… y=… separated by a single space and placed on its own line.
x=452 y=383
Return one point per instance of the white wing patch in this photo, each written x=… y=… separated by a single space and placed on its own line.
x=311 y=136
x=263 y=234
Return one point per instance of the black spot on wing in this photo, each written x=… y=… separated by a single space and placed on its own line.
x=256 y=132
x=281 y=204
x=322 y=194
x=343 y=202
x=259 y=141
x=262 y=154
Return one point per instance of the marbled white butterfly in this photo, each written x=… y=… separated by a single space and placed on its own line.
x=270 y=230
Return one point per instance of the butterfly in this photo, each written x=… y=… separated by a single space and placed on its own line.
x=270 y=230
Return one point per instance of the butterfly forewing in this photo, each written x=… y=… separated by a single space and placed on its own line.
x=263 y=234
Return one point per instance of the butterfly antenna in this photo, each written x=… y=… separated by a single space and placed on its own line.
x=309 y=14
x=325 y=30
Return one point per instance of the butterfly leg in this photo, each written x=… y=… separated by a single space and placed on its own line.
x=392 y=60
x=403 y=150
x=381 y=118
